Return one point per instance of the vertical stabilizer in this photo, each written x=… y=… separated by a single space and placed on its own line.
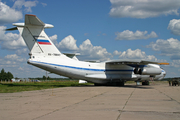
x=34 y=36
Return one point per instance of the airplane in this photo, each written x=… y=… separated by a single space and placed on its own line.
x=45 y=55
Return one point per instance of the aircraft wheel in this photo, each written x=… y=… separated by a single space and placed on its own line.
x=145 y=83
x=121 y=84
x=96 y=84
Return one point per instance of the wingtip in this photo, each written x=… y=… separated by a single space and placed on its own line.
x=163 y=63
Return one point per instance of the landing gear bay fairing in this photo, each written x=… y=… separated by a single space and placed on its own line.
x=45 y=55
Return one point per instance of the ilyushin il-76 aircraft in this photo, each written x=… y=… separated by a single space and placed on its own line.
x=45 y=55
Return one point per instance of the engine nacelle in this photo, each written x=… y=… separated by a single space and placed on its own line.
x=147 y=71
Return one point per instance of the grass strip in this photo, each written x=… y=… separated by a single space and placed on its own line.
x=29 y=86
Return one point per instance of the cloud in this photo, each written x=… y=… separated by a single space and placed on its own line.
x=117 y=52
x=53 y=38
x=27 y=4
x=12 y=60
x=44 y=4
x=86 y=49
x=22 y=51
x=10 y=40
x=174 y=26
x=100 y=33
x=68 y=44
x=94 y=52
x=14 y=44
x=14 y=57
x=7 y=13
x=169 y=47
x=143 y=8
x=129 y=35
x=175 y=63
x=136 y=54
x=7 y=36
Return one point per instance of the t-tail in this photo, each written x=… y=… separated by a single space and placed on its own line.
x=34 y=36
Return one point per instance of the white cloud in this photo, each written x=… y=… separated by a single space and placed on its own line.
x=10 y=40
x=22 y=51
x=44 y=4
x=7 y=36
x=136 y=54
x=12 y=59
x=143 y=8
x=85 y=49
x=117 y=52
x=93 y=52
x=169 y=47
x=68 y=43
x=175 y=63
x=174 y=26
x=130 y=35
x=9 y=15
x=13 y=62
x=53 y=38
x=13 y=44
x=27 y=4
x=21 y=69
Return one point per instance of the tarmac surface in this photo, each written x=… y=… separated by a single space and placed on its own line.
x=157 y=102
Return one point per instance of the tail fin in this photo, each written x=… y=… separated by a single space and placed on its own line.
x=34 y=36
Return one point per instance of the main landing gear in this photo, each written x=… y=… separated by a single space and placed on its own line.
x=145 y=82
x=110 y=84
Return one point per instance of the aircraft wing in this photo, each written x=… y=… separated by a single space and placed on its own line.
x=134 y=62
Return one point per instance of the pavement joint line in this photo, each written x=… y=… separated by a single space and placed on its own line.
x=71 y=105
x=150 y=112
x=120 y=111
x=167 y=96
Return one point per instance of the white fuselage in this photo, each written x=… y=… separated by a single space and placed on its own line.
x=91 y=72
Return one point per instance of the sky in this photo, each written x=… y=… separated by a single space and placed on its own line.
x=97 y=29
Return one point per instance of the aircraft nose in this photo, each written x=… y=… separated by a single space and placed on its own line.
x=164 y=72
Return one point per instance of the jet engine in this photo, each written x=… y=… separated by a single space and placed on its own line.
x=147 y=71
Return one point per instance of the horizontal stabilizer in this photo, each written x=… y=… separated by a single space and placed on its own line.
x=14 y=28
x=72 y=55
x=33 y=20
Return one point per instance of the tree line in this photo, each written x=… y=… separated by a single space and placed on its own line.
x=5 y=75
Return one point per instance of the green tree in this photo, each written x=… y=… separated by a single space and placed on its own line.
x=9 y=76
x=48 y=78
x=44 y=77
x=3 y=74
